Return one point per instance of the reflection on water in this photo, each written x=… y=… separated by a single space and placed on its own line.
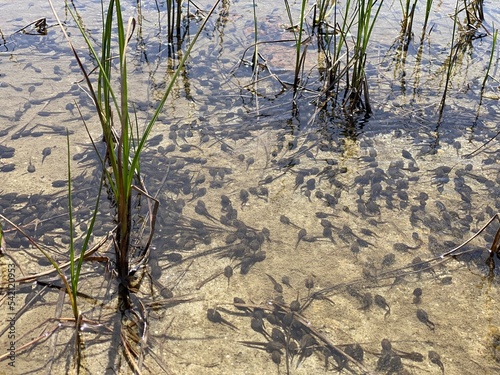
x=287 y=239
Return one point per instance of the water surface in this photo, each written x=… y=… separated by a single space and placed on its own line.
x=381 y=198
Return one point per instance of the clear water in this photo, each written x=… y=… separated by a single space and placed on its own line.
x=404 y=181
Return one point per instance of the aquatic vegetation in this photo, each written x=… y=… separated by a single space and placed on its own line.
x=300 y=49
x=344 y=67
x=121 y=172
x=407 y=22
x=123 y=148
x=258 y=181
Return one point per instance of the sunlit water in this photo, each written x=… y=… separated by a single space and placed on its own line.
x=339 y=206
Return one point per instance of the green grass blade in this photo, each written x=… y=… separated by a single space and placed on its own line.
x=490 y=62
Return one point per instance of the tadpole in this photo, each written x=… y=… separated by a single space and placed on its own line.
x=285 y=220
x=46 y=152
x=198 y=193
x=244 y=194
x=309 y=283
x=388 y=259
x=368 y=232
x=402 y=247
x=423 y=317
x=277 y=286
x=215 y=317
x=257 y=325
x=302 y=233
x=278 y=335
x=228 y=272
x=225 y=202
x=436 y=359
x=306 y=343
x=413 y=356
x=201 y=209
x=311 y=184
x=406 y=154
x=286 y=281
x=419 y=266
x=417 y=296
x=31 y=168
x=328 y=233
x=363 y=243
x=276 y=356
x=250 y=161
x=382 y=303
x=166 y=292
x=240 y=301
x=386 y=346
x=366 y=301
x=324 y=215
x=295 y=306
x=299 y=180
x=360 y=191
x=355 y=351
x=355 y=248
x=372 y=208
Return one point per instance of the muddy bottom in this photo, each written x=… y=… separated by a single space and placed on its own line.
x=281 y=245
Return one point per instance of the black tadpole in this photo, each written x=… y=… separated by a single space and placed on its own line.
x=407 y=155
x=286 y=281
x=31 y=168
x=309 y=283
x=295 y=306
x=46 y=152
x=244 y=195
x=228 y=272
x=285 y=220
x=436 y=359
x=257 y=325
x=276 y=356
x=417 y=296
x=277 y=286
x=424 y=318
x=278 y=336
x=382 y=303
x=215 y=317
x=201 y=209
x=302 y=233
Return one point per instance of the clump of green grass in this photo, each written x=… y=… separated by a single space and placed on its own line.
x=343 y=35
x=367 y=15
x=407 y=23
x=174 y=17
x=344 y=48
x=76 y=259
x=300 y=47
x=115 y=115
x=121 y=164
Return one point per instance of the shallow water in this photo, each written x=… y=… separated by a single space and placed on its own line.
x=372 y=195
